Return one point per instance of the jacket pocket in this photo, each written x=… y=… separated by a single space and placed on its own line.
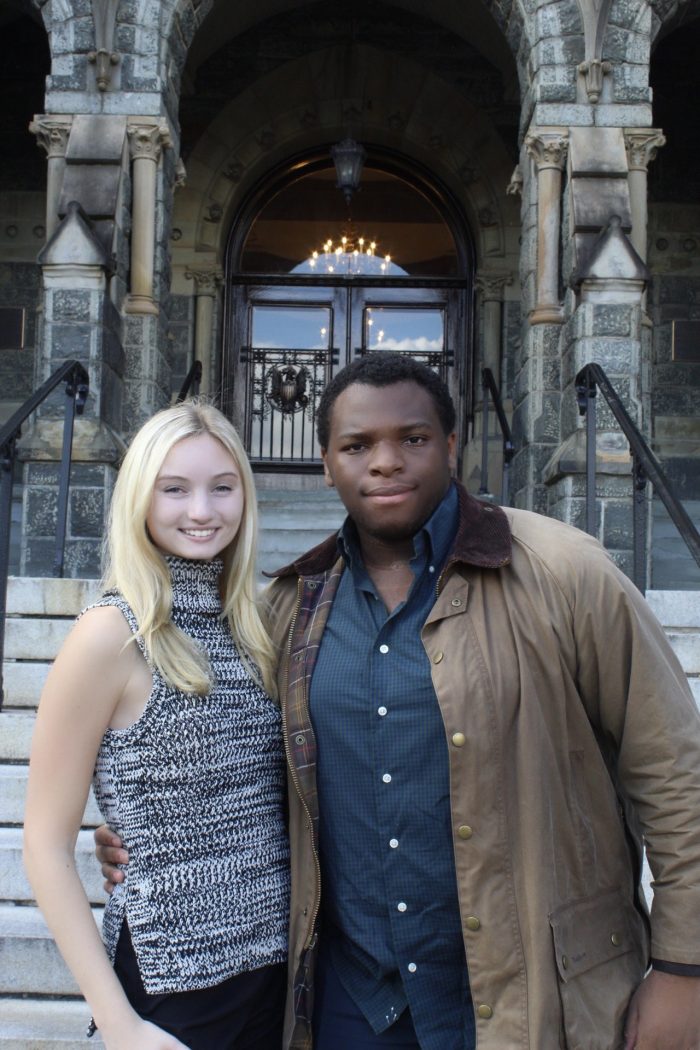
x=601 y=952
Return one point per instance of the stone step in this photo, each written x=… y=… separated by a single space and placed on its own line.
x=676 y=608
x=686 y=646
x=30 y=962
x=13 y=789
x=35 y=639
x=16 y=728
x=52 y=1024
x=13 y=881
x=46 y=596
x=23 y=681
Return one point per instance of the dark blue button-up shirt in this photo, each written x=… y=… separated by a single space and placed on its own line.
x=391 y=913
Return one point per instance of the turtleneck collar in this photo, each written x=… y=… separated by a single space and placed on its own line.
x=195 y=583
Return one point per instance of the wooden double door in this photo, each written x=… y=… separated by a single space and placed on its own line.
x=286 y=340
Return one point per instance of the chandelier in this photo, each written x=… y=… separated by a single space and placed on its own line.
x=349 y=255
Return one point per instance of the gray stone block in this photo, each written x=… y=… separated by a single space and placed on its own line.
x=95 y=186
x=597 y=151
x=96 y=139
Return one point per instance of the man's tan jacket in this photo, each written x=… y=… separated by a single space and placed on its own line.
x=571 y=732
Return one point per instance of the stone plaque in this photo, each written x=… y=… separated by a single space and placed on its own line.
x=685 y=342
x=11 y=328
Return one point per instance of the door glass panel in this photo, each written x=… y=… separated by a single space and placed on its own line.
x=302 y=327
x=410 y=236
x=404 y=331
x=288 y=366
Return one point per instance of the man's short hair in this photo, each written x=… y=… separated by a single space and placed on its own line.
x=385 y=369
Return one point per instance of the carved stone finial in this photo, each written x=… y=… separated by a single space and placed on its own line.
x=642 y=145
x=593 y=73
x=104 y=58
x=180 y=174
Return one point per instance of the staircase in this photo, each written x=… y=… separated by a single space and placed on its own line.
x=39 y=1003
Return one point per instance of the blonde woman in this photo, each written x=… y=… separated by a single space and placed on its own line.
x=161 y=696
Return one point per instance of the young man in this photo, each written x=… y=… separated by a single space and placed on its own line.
x=482 y=720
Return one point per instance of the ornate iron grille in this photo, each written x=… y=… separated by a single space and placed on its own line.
x=283 y=389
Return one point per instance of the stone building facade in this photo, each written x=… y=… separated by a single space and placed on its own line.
x=183 y=156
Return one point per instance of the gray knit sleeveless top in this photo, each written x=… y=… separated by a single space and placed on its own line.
x=195 y=789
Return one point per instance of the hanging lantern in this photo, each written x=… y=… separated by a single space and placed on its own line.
x=348 y=157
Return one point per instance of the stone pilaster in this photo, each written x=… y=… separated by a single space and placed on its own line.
x=548 y=150
x=146 y=143
x=491 y=288
x=206 y=286
x=642 y=145
x=52 y=134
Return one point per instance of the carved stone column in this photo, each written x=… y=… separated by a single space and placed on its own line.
x=206 y=284
x=146 y=142
x=490 y=286
x=548 y=150
x=642 y=145
x=52 y=135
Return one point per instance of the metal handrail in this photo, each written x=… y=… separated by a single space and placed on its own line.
x=77 y=386
x=191 y=382
x=645 y=467
x=489 y=387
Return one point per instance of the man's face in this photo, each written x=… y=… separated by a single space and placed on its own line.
x=388 y=457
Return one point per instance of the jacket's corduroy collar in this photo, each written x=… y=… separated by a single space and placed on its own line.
x=483 y=539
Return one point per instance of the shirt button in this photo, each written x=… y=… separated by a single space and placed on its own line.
x=402 y=906
x=484 y=1011
x=394 y=843
x=384 y=649
x=459 y=739
x=472 y=923
x=387 y=778
x=464 y=831
x=431 y=568
x=412 y=967
x=381 y=711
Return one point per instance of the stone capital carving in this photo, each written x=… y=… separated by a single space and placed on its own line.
x=206 y=282
x=642 y=145
x=548 y=149
x=146 y=141
x=491 y=285
x=52 y=134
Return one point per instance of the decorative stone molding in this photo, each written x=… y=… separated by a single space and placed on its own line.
x=180 y=174
x=146 y=143
x=595 y=14
x=642 y=145
x=548 y=149
x=492 y=285
x=104 y=58
x=52 y=134
x=206 y=285
x=515 y=186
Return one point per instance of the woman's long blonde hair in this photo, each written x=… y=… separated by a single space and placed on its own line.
x=139 y=571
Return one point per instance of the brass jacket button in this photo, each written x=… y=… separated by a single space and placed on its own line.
x=485 y=1011
x=616 y=939
x=464 y=831
x=459 y=739
x=472 y=922
x=438 y=658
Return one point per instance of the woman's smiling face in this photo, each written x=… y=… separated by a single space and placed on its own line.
x=197 y=502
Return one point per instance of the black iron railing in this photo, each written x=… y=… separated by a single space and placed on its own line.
x=77 y=385
x=191 y=383
x=490 y=391
x=645 y=468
